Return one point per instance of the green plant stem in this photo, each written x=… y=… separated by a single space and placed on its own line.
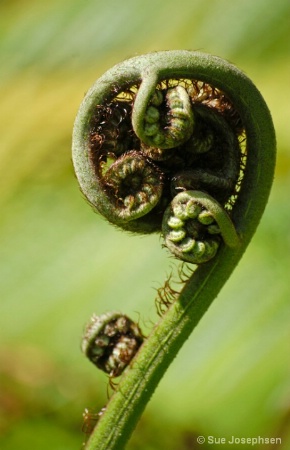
x=147 y=368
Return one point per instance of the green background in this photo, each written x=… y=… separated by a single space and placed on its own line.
x=60 y=262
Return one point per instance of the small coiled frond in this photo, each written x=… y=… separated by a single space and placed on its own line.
x=110 y=342
x=194 y=225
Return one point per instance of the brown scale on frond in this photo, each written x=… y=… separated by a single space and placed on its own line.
x=113 y=385
x=90 y=419
x=166 y=295
x=216 y=99
x=112 y=130
x=185 y=272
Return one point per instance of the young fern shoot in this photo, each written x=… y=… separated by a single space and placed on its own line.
x=180 y=143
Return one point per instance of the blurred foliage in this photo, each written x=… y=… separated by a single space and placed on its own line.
x=60 y=262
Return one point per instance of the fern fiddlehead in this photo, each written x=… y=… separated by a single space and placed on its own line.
x=193 y=226
x=180 y=143
x=110 y=342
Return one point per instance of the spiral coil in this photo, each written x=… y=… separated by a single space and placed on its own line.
x=149 y=141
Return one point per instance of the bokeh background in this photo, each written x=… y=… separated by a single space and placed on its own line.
x=60 y=262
